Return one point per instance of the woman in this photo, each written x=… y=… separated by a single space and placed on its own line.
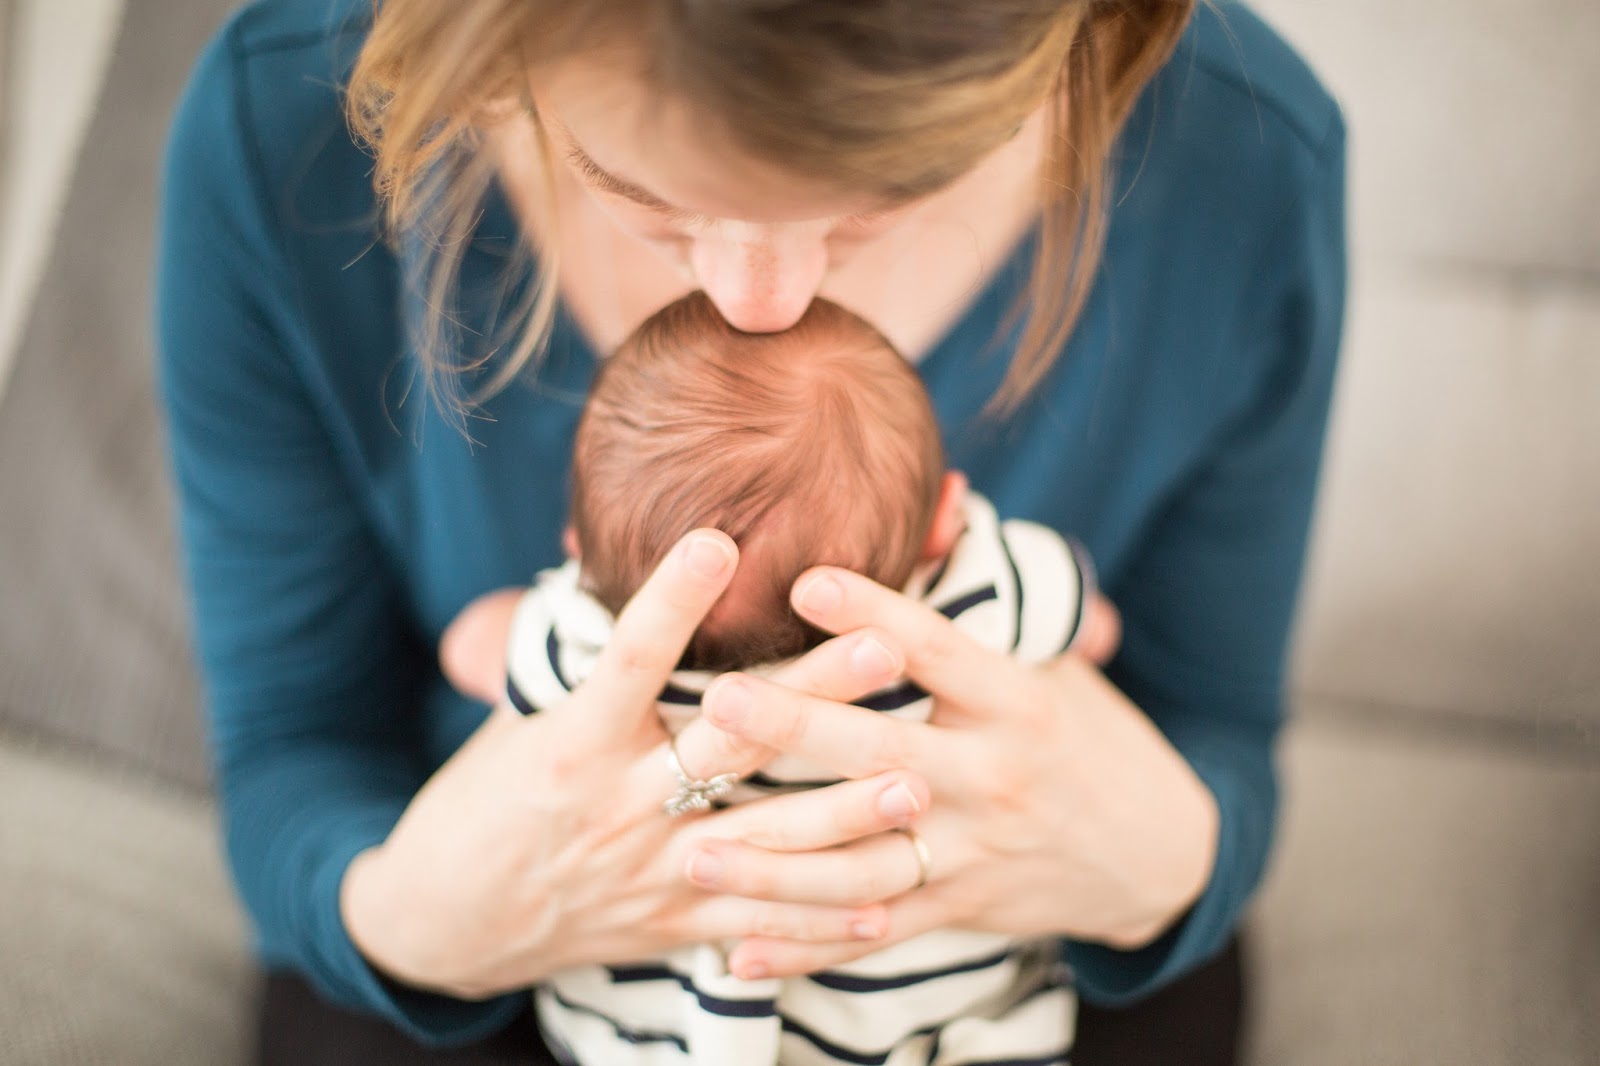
x=1121 y=276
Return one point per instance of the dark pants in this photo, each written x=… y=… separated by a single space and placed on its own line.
x=1194 y=1022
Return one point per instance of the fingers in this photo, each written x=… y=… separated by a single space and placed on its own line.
x=849 y=741
x=868 y=871
x=704 y=752
x=731 y=918
x=823 y=817
x=765 y=956
x=845 y=668
x=652 y=632
x=938 y=656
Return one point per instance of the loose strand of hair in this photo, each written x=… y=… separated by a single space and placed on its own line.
x=536 y=311
x=1116 y=52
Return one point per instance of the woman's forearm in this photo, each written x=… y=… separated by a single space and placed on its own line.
x=1208 y=829
x=1158 y=838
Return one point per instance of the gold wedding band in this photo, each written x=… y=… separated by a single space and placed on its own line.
x=924 y=859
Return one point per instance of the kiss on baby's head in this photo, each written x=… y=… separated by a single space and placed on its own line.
x=809 y=447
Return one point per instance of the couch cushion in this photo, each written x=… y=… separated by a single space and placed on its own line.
x=1453 y=567
x=1430 y=901
x=92 y=642
x=52 y=59
x=123 y=945
x=1471 y=126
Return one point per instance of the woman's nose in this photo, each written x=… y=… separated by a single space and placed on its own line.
x=761 y=279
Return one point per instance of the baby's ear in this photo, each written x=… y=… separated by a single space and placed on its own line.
x=569 y=543
x=949 y=516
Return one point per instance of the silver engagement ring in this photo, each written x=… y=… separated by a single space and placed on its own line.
x=693 y=795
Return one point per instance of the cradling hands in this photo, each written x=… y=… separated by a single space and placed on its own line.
x=542 y=843
x=1056 y=806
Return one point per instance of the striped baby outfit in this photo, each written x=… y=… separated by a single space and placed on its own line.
x=945 y=998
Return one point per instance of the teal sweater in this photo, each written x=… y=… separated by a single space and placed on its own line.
x=331 y=531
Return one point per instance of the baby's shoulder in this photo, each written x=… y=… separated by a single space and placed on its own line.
x=1014 y=585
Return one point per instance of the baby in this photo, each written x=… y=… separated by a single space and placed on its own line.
x=809 y=447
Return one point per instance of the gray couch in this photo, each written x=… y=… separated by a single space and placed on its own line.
x=1436 y=895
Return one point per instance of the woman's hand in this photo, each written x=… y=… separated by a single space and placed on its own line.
x=542 y=843
x=1058 y=808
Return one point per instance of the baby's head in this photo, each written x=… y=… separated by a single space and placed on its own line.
x=808 y=447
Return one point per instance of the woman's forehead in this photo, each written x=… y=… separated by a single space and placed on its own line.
x=674 y=152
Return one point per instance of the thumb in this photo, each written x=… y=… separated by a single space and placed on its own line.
x=650 y=636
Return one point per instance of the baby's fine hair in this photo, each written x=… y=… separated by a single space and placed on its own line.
x=814 y=446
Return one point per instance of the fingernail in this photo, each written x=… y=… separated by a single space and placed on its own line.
x=819 y=595
x=729 y=701
x=704 y=869
x=871 y=658
x=865 y=930
x=708 y=557
x=898 y=801
x=753 y=971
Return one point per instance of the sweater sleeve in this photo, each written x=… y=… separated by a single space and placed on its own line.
x=1209 y=596
x=310 y=671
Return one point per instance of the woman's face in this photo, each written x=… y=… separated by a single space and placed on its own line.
x=758 y=240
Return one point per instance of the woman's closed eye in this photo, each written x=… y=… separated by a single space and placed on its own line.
x=870 y=223
x=854 y=226
x=603 y=181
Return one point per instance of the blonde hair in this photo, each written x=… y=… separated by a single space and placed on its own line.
x=814 y=446
x=886 y=97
